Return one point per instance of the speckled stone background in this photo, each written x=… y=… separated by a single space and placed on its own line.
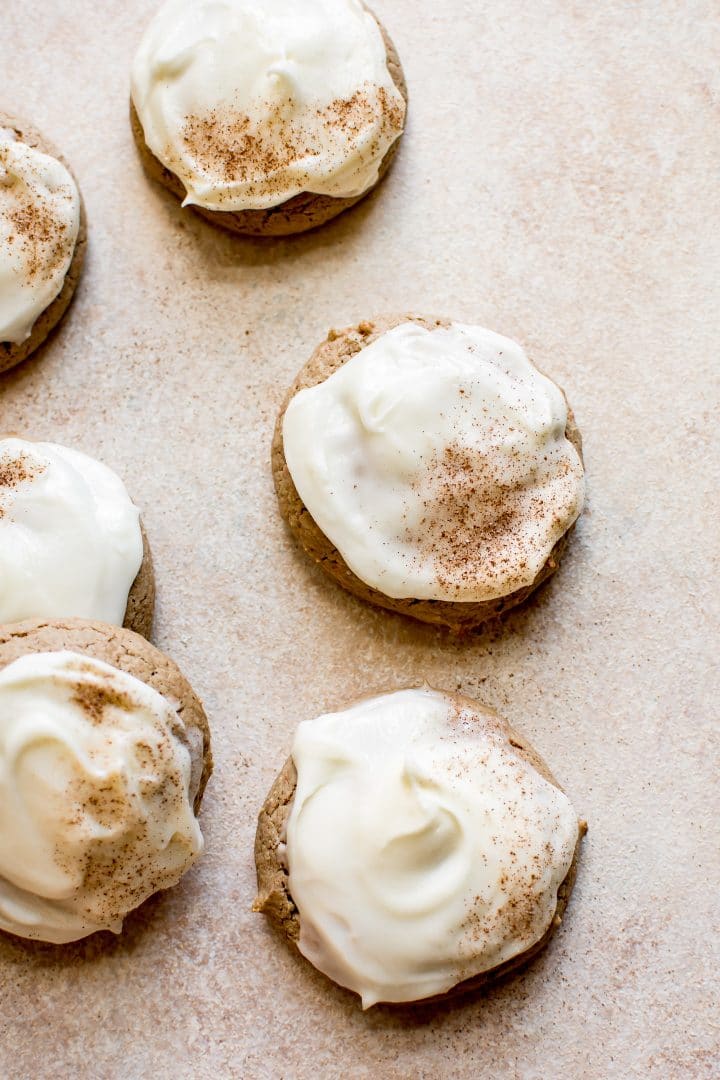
x=559 y=182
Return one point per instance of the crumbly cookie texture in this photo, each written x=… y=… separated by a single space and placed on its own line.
x=10 y=353
x=273 y=894
x=460 y=616
x=299 y=214
x=122 y=649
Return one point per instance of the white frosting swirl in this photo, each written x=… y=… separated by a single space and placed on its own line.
x=70 y=538
x=250 y=103
x=421 y=848
x=39 y=223
x=437 y=464
x=96 y=796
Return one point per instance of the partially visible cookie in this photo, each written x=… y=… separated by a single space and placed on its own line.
x=415 y=846
x=43 y=236
x=447 y=471
x=71 y=540
x=284 y=162
x=105 y=753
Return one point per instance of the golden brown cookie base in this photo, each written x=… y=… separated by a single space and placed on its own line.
x=460 y=616
x=141 y=598
x=299 y=214
x=274 y=899
x=122 y=649
x=11 y=354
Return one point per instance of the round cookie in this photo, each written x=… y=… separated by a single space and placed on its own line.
x=460 y=616
x=10 y=352
x=273 y=894
x=140 y=606
x=123 y=649
x=297 y=214
x=105 y=754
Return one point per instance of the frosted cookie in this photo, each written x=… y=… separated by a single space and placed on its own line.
x=104 y=757
x=415 y=845
x=429 y=467
x=71 y=540
x=42 y=240
x=267 y=119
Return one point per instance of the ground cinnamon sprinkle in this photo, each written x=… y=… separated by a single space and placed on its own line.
x=482 y=509
x=45 y=241
x=15 y=471
x=41 y=235
x=237 y=148
x=95 y=699
x=119 y=870
x=123 y=869
x=515 y=909
x=349 y=115
x=471 y=524
x=393 y=110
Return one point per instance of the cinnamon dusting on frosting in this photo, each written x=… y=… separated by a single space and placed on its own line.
x=475 y=513
x=230 y=146
x=448 y=844
x=350 y=115
x=119 y=875
x=522 y=881
x=472 y=521
x=16 y=470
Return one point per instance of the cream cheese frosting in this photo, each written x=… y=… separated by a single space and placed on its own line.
x=436 y=462
x=39 y=224
x=96 y=796
x=250 y=103
x=70 y=537
x=421 y=848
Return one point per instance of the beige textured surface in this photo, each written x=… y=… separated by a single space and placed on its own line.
x=558 y=182
x=128 y=651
